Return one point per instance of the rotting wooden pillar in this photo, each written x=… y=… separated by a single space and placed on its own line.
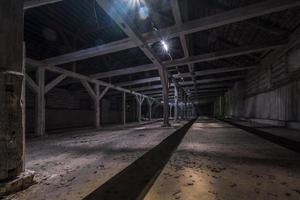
x=124 y=108
x=11 y=84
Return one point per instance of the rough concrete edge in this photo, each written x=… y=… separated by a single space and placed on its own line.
x=22 y=182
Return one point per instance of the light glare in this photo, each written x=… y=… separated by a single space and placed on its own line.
x=165 y=46
x=143 y=12
x=135 y=3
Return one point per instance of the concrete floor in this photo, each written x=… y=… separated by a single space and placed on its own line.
x=218 y=161
x=69 y=166
x=214 y=161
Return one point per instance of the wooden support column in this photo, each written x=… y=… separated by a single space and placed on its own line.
x=171 y=108
x=138 y=110
x=40 y=102
x=150 y=103
x=97 y=106
x=40 y=90
x=96 y=96
x=11 y=84
x=185 y=106
x=176 y=104
x=181 y=110
x=124 y=108
x=193 y=111
x=121 y=17
x=166 y=105
x=139 y=100
x=182 y=105
x=190 y=110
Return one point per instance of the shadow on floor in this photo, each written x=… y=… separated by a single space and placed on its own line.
x=135 y=180
x=282 y=141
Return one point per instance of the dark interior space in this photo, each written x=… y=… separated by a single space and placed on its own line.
x=149 y=99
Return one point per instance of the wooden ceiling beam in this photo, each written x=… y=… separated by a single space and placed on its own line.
x=67 y=73
x=224 y=18
x=194 y=59
x=38 y=3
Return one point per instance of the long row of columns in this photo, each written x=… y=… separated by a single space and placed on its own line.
x=182 y=108
x=140 y=100
x=11 y=85
x=40 y=89
x=187 y=111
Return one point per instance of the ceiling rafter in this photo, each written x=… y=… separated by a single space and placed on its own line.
x=67 y=73
x=224 y=18
x=37 y=3
x=119 y=16
x=178 y=21
x=193 y=59
x=155 y=87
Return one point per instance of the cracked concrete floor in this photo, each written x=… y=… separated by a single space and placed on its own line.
x=217 y=161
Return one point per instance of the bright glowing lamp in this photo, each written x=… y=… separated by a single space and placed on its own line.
x=165 y=45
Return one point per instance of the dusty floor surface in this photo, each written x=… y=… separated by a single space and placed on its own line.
x=70 y=166
x=217 y=161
